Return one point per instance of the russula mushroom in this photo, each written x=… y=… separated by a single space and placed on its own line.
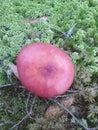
x=45 y=70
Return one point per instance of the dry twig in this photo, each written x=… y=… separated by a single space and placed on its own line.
x=27 y=102
x=71 y=92
x=6 y=85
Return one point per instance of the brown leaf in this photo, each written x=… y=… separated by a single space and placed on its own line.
x=32 y=21
x=67 y=101
x=52 y=112
x=14 y=69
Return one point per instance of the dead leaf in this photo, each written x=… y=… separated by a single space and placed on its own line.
x=68 y=101
x=44 y=18
x=52 y=112
x=14 y=69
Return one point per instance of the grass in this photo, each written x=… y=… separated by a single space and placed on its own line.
x=23 y=22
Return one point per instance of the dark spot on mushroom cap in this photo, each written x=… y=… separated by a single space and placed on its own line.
x=48 y=70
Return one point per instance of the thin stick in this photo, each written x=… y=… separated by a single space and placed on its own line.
x=6 y=85
x=32 y=105
x=96 y=128
x=71 y=92
x=17 y=124
x=70 y=31
x=77 y=91
x=62 y=106
x=27 y=102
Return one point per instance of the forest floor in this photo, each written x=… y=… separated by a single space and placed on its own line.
x=69 y=25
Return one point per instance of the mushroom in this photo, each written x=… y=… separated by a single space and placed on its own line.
x=45 y=70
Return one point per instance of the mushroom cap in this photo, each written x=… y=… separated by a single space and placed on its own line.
x=45 y=70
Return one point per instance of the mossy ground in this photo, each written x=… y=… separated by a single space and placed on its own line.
x=53 y=18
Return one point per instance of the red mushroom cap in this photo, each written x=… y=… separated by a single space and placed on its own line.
x=45 y=70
